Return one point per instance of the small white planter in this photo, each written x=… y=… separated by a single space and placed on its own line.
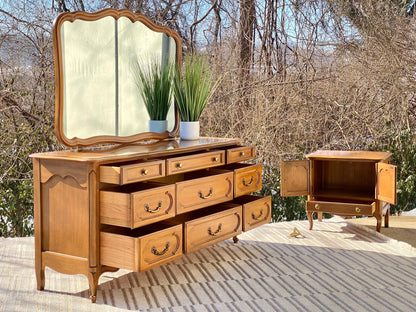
x=189 y=130
x=158 y=126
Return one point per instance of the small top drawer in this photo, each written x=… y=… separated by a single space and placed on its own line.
x=194 y=162
x=240 y=154
x=131 y=173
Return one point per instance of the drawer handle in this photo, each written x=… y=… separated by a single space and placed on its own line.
x=242 y=154
x=147 y=208
x=215 y=159
x=259 y=217
x=357 y=209
x=206 y=196
x=145 y=172
x=160 y=253
x=216 y=232
x=248 y=183
x=317 y=206
x=179 y=165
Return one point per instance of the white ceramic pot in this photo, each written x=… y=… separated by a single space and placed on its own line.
x=189 y=130
x=158 y=126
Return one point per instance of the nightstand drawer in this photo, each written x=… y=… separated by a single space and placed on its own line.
x=194 y=162
x=141 y=249
x=337 y=208
x=238 y=154
x=131 y=173
x=256 y=210
x=212 y=228
x=137 y=205
x=202 y=189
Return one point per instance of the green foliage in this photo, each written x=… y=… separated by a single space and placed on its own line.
x=16 y=213
x=283 y=208
x=402 y=145
x=155 y=85
x=193 y=87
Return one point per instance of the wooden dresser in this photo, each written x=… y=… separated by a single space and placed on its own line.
x=141 y=205
x=349 y=183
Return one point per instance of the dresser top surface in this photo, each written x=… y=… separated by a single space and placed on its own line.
x=350 y=155
x=125 y=152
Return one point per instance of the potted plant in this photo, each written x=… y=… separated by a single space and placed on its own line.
x=193 y=87
x=154 y=81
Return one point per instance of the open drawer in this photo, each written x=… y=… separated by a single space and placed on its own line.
x=131 y=173
x=136 y=205
x=256 y=210
x=195 y=161
x=341 y=208
x=140 y=249
x=247 y=178
x=241 y=153
x=203 y=188
x=208 y=226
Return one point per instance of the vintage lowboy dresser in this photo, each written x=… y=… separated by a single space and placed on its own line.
x=131 y=205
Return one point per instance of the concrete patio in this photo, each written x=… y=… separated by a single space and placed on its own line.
x=339 y=266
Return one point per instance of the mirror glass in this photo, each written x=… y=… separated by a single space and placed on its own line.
x=99 y=97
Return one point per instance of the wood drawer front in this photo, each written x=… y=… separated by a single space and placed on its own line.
x=194 y=162
x=142 y=252
x=203 y=192
x=211 y=229
x=349 y=209
x=247 y=179
x=132 y=173
x=257 y=210
x=137 y=208
x=240 y=154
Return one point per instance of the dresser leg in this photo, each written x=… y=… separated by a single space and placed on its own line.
x=386 y=218
x=235 y=239
x=310 y=218
x=379 y=219
x=93 y=285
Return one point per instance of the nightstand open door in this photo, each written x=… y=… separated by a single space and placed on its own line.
x=294 y=178
x=386 y=183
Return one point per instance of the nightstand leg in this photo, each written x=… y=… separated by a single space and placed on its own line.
x=310 y=218
x=235 y=239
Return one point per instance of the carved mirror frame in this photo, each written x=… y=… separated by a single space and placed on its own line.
x=59 y=77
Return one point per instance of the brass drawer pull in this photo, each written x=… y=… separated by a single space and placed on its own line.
x=206 y=196
x=242 y=154
x=259 y=217
x=145 y=172
x=357 y=209
x=248 y=183
x=317 y=206
x=160 y=253
x=147 y=208
x=179 y=165
x=216 y=232
x=215 y=159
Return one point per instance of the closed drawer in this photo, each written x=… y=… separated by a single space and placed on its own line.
x=194 y=162
x=240 y=154
x=341 y=208
x=202 y=189
x=137 y=205
x=256 y=210
x=131 y=173
x=247 y=178
x=212 y=228
x=141 y=249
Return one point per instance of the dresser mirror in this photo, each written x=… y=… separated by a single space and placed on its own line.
x=97 y=98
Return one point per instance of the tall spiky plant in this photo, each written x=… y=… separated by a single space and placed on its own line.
x=154 y=81
x=193 y=87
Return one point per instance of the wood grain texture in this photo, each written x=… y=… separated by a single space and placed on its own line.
x=239 y=154
x=247 y=179
x=294 y=176
x=194 y=162
x=213 y=228
x=204 y=191
x=257 y=210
